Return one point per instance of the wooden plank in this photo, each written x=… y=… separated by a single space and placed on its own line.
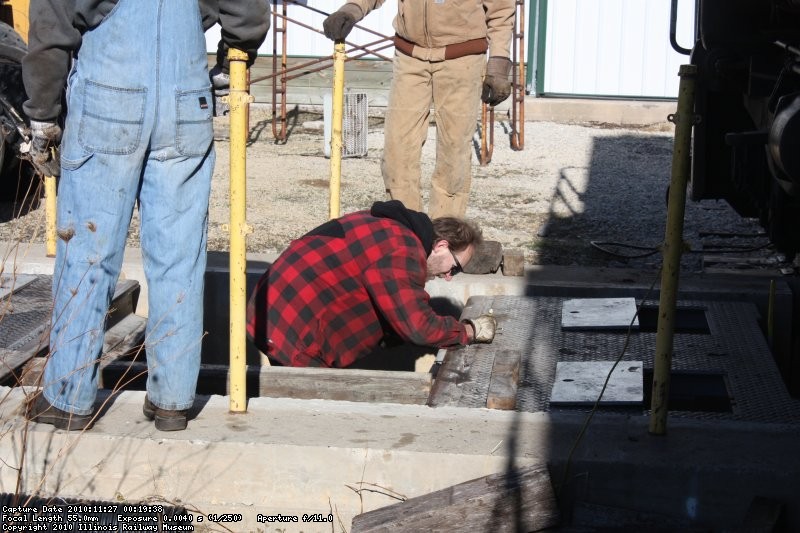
x=13 y=359
x=504 y=380
x=453 y=372
x=454 y=375
x=486 y=259
x=513 y=263
x=521 y=500
x=352 y=385
x=123 y=340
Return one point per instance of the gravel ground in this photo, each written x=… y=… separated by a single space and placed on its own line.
x=570 y=185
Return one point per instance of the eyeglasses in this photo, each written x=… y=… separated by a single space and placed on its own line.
x=455 y=269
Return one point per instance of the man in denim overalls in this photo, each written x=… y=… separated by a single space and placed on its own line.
x=138 y=128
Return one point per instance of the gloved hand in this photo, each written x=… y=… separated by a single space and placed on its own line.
x=338 y=25
x=220 y=81
x=496 y=86
x=43 y=151
x=485 y=327
x=220 y=88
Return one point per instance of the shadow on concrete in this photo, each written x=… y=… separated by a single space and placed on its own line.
x=601 y=207
x=620 y=200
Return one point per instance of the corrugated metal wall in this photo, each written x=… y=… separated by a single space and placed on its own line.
x=614 y=47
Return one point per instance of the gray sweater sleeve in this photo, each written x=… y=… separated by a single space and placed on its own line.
x=52 y=38
x=244 y=23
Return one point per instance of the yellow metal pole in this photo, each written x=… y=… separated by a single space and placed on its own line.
x=50 y=209
x=336 y=127
x=238 y=100
x=673 y=247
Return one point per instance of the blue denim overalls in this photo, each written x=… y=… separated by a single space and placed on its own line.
x=139 y=126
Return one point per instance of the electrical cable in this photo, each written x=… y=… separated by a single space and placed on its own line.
x=605 y=384
x=601 y=245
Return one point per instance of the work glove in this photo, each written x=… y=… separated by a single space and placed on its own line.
x=496 y=86
x=43 y=149
x=220 y=81
x=220 y=87
x=338 y=25
x=485 y=327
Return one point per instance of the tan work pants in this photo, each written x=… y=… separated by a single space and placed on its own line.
x=453 y=87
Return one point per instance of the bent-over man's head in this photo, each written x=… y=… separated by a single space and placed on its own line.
x=454 y=242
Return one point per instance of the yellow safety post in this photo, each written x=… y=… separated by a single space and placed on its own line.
x=50 y=215
x=336 y=127
x=238 y=101
x=672 y=249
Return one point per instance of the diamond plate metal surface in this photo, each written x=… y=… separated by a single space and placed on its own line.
x=25 y=314
x=735 y=347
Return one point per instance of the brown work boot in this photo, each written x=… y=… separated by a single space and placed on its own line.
x=39 y=410
x=165 y=419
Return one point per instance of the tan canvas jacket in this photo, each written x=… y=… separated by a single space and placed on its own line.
x=434 y=24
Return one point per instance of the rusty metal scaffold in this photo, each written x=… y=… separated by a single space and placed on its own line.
x=282 y=73
x=516 y=112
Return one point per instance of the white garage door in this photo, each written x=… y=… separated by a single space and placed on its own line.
x=614 y=47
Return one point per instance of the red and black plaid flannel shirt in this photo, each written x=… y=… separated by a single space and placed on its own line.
x=329 y=300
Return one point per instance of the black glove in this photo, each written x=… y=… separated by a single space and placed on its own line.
x=338 y=25
x=484 y=326
x=496 y=86
x=43 y=152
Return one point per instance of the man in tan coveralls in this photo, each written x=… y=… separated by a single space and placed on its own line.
x=440 y=59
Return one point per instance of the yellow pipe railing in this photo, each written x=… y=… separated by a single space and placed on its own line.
x=672 y=250
x=238 y=101
x=336 y=128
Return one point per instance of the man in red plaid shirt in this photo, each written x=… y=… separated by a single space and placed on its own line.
x=335 y=293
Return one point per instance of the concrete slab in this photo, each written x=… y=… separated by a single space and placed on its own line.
x=296 y=457
x=601 y=111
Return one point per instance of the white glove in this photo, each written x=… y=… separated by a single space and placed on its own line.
x=220 y=82
x=43 y=149
x=485 y=327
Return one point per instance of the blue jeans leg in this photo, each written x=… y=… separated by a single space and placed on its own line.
x=93 y=218
x=174 y=214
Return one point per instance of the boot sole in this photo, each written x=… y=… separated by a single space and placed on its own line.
x=170 y=424
x=49 y=415
x=164 y=423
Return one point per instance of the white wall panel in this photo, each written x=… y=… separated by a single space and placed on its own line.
x=614 y=47
x=304 y=42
